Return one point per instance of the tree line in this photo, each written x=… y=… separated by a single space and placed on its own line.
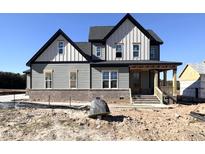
x=10 y=80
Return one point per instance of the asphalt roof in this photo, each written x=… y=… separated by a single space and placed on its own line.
x=130 y=62
x=99 y=32
x=27 y=71
x=200 y=68
x=154 y=35
x=85 y=47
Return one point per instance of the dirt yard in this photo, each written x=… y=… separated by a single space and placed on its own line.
x=124 y=124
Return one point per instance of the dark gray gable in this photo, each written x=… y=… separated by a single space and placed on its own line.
x=50 y=41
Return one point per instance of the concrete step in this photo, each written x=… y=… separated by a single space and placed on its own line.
x=144 y=96
x=134 y=100
x=156 y=102
x=145 y=99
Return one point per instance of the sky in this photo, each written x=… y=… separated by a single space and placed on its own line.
x=22 y=35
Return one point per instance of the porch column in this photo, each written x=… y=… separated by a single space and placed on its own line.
x=164 y=78
x=174 y=82
x=156 y=79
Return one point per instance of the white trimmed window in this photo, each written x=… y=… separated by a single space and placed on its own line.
x=105 y=79
x=109 y=79
x=119 y=50
x=136 y=50
x=98 y=51
x=61 y=47
x=48 y=79
x=73 y=79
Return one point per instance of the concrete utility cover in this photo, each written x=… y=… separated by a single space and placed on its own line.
x=98 y=107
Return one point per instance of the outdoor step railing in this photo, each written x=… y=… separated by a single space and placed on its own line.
x=159 y=94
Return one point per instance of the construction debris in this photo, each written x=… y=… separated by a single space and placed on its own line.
x=198 y=116
x=124 y=124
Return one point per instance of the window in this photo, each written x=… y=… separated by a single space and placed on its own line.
x=109 y=79
x=153 y=52
x=73 y=79
x=48 y=80
x=119 y=50
x=98 y=51
x=136 y=48
x=105 y=80
x=60 y=47
x=113 y=79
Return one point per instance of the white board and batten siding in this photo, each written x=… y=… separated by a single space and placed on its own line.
x=188 y=88
x=70 y=53
x=202 y=84
x=128 y=34
x=28 y=81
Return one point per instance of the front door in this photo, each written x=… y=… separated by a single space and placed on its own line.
x=135 y=82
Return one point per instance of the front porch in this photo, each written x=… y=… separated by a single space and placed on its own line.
x=145 y=80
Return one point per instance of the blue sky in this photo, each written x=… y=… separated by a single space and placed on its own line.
x=21 y=35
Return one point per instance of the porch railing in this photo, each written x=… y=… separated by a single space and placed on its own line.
x=159 y=94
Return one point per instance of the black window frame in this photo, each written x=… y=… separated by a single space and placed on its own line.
x=138 y=52
x=119 y=53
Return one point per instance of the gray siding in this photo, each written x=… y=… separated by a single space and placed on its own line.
x=94 y=56
x=28 y=81
x=61 y=75
x=123 y=76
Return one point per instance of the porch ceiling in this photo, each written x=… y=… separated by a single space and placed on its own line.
x=160 y=67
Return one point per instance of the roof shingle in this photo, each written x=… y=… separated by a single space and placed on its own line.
x=200 y=68
x=85 y=47
x=99 y=32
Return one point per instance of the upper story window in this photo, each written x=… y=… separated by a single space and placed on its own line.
x=153 y=52
x=98 y=51
x=61 y=47
x=119 y=50
x=136 y=49
x=48 y=79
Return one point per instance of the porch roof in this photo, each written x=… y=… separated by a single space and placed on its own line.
x=136 y=65
x=27 y=71
x=134 y=62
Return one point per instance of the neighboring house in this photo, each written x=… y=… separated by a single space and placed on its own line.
x=116 y=62
x=192 y=81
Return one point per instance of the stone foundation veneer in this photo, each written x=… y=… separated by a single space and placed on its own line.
x=64 y=95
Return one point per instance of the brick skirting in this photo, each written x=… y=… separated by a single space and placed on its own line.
x=58 y=95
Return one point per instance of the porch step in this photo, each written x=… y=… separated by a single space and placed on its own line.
x=144 y=96
x=145 y=99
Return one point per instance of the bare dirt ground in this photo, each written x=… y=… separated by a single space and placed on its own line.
x=124 y=124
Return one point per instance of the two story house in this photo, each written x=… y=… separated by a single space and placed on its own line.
x=116 y=63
